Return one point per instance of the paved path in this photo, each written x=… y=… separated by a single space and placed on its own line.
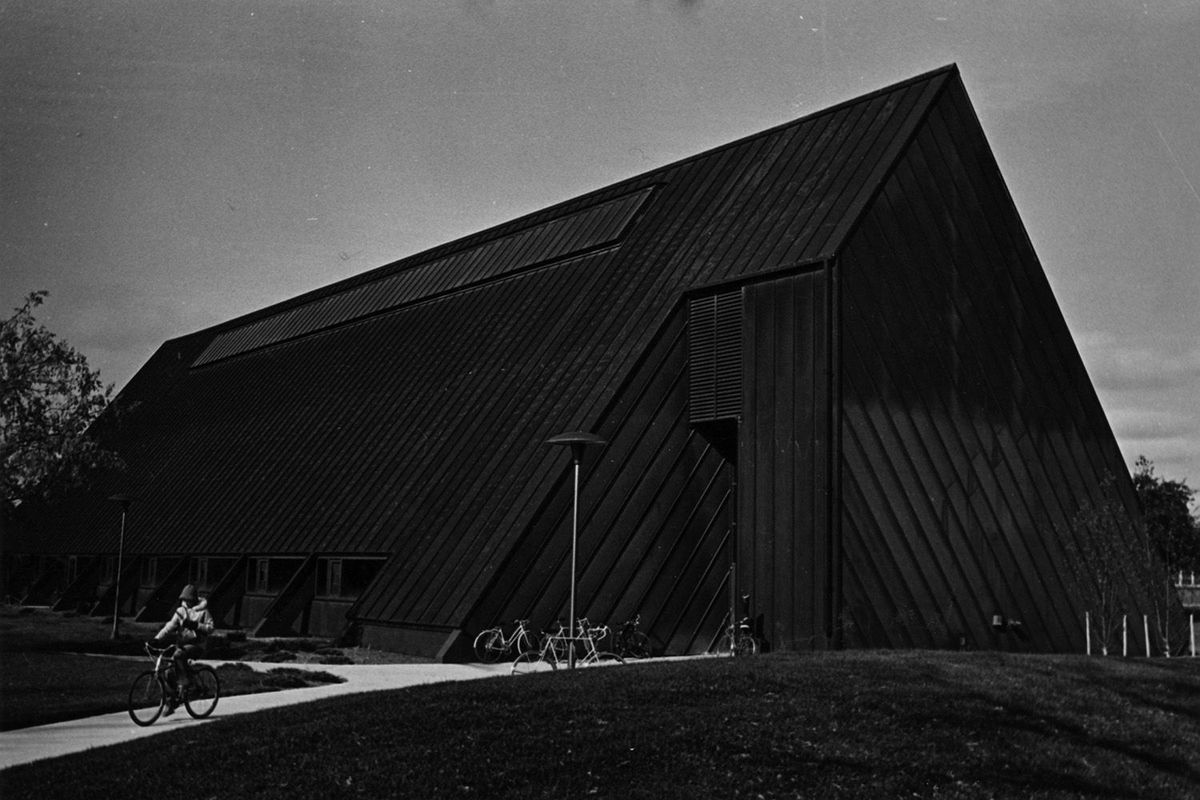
x=46 y=741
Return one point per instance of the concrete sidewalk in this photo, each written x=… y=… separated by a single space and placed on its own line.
x=46 y=741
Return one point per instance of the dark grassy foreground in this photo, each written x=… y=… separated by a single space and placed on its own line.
x=839 y=725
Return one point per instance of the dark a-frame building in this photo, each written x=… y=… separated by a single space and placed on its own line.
x=827 y=364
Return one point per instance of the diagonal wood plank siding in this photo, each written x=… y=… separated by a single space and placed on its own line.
x=970 y=436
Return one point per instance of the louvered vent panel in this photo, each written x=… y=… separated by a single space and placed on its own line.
x=715 y=357
x=728 y=380
x=702 y=360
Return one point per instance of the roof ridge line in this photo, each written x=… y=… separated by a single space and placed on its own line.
x=524 y=221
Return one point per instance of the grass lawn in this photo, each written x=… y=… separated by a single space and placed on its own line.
x=856 y=724
x=46 y=674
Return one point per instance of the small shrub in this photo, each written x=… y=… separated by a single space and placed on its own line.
x=234 y=668
x=351 y=637
x=335 y=659
x=292 y=678
x=309 y=645
x=284 y=679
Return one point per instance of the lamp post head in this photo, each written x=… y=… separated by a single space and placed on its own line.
x=123 y=499
x=577 y=440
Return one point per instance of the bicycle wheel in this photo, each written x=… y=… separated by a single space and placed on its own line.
x=489 y=645
x=746 y=646
x=146 y=699
x=637 y=645
x=600 y=660
x=554 y=644
x=531 y=662
x=201 y=698
x=525 y=644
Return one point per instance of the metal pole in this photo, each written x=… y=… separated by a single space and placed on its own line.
x=1087 y=630
x=1146 y=633
x=574 y=538
x=1124 y=635
x=578 y=440
x=117 y=577
x=1192 y=630
x=733 y=620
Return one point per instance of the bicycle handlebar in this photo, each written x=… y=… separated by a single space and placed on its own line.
x=155 y=652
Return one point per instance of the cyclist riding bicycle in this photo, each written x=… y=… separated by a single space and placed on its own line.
x=191 y=624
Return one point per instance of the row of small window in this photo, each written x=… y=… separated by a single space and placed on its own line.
x=336 y=577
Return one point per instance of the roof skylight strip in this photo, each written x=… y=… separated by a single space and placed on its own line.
x=556 y=239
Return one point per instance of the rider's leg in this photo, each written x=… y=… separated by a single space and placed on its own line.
x=182 y=655
x=173 y=674
x=173 y=685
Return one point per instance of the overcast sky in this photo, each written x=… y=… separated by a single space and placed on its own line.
x=166 y=165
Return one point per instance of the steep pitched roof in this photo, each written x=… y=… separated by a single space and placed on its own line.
x=404 y=412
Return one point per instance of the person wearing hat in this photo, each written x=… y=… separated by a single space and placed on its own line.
x=191 y=624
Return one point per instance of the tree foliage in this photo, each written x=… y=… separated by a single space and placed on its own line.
x=1118 y=571
x=1170 y=525
x=1103 y=554
x=48 y=398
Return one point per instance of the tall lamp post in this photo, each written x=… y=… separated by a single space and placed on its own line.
x=577 y=440
x=124 y=500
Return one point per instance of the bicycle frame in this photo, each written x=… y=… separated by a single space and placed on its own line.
x=738 y=640
x=517 y=634
x=164 y=665
x=562 y=642
x=632 y=640
x=492 y=642
x=164 y=661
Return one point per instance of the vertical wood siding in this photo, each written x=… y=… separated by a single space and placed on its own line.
x=782 y=527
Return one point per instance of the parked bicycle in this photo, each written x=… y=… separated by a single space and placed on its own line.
x=556 y=647
x=155 y=688
x=559 y=638
x=492 y=644
x=555 y=639
x=597 y=631
x=631 y=641
x=738 y=638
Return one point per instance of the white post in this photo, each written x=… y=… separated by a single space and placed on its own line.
x=1146 y=633
x=1125 y=636
x=1087 y=630
x=1192 y=629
